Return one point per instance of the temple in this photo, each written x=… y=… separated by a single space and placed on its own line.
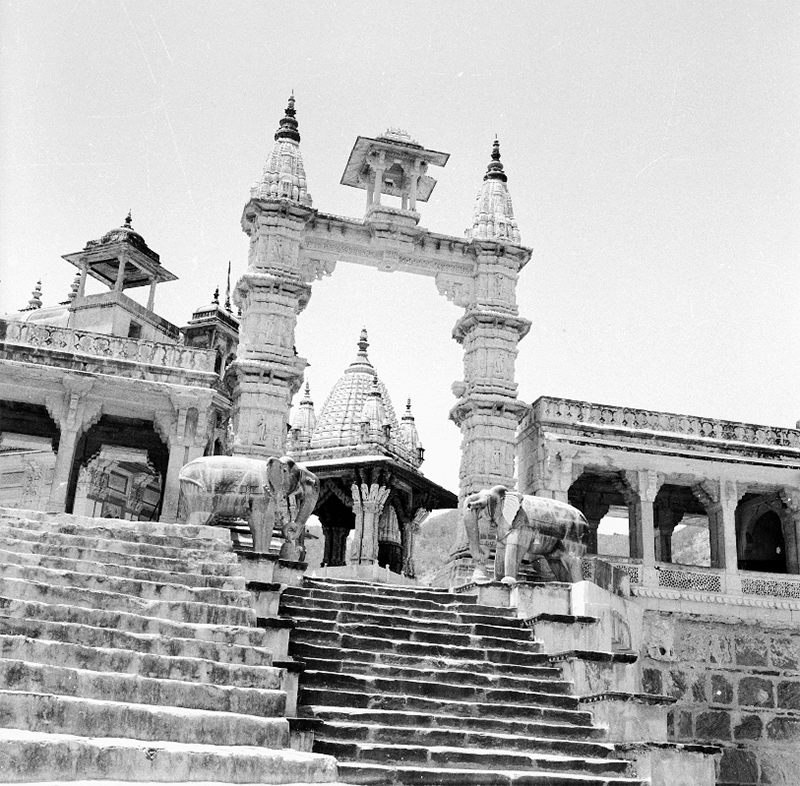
x=679 y=652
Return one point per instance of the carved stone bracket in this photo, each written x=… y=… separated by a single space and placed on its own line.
x=72 y=409
x=458 y=289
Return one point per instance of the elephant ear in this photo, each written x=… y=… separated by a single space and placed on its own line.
x=276 y=476
x=511 y=505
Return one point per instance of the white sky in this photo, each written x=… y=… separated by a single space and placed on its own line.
x=651 y=147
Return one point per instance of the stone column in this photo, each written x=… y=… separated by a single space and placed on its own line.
x=791 y=527
x=274 y=290
x=666 y=519
x=74 y=413
x=640 y=490
x=592 y=506
x=183 y=424
x=151 y=300
x=411 y=530
x=368 y=502
x=488 y=410
x=720 y=499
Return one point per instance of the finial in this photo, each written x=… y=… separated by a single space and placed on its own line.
x=307 y=393
x=495 y=168
x=128 y=220
x=362 y=342
x=74 y=287
x=228 y=290
x=408 y=405
x=215 y=299
x=36 y=299
x=288 y=125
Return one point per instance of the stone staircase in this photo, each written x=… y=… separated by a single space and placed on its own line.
x=129 y=651
x=421 y=686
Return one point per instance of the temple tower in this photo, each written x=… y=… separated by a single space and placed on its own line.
x=271 y=293
x=487 y=411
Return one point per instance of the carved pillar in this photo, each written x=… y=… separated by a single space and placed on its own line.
x=640 y=489
x=592 y=506
x=273 y=291
x=720 y=499
x=666 y=519
x=410 y=532
x=74 y=414
x=488 y=411
x=368 y=502
x=791 y=527
x=178 y=425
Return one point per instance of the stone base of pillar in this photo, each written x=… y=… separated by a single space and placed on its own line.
x=372 y=573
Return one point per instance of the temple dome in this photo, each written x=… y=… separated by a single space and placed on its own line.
x=358 y=416
x=284 y=176
x=493 y=214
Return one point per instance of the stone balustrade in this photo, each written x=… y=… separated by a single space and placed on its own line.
x=81 y=342
x=575 y=412
x=695 y=579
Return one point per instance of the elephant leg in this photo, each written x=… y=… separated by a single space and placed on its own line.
x=480 y=554
x=572 y=566
x=261 y=521
x=517 y=545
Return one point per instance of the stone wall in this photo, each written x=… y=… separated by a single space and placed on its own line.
x=737 y=684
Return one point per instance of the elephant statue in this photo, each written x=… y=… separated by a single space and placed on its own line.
x=526 y=525
x=264 y=492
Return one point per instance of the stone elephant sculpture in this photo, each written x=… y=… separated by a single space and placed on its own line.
x=263 y=492
x=536 y=526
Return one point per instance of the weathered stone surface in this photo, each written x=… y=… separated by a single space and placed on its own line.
x=756 y=692
x=750 y=728
x=785 y=652
x=779 y=767
x=721 y=689
x=782 y=728
x=752 y=650
x=738 y=767
x=714 y=725
x=789 y=695
x=652 y=682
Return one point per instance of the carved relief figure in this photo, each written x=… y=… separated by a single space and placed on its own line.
x=536 y=526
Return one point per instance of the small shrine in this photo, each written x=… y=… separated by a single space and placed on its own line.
x=374 y=497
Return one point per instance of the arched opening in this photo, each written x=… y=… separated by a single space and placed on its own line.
x=764 y=545
x=337 y=521
x=681 y=527
x=145 y=454
x=390 y=540
x=598 y=495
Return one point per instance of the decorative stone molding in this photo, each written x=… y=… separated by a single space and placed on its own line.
x=72 y=410
x=460 y=290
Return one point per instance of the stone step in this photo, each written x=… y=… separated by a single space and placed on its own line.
x=451 y=623
x=190 y=561
x=499 y=654
x=126 y=572
x=423 y=721
x=241 y=635
x=455 y=678
x=433 y=661
x=90 y=599
x=351 y=732
x=168 y=592
x=554 y=695
x=555 y=712
x=136 y=548
x=95 y=718
x=440 y=756
x=124 y=659
x=435 y=776
x=313 y=594
x=297 y=598
x=29 y=756
x=154 y=533
x=24 y=677
x=369 y=589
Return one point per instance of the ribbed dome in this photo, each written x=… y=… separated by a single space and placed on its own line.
x=284 y=176
x=493 y=215
x=358 y=413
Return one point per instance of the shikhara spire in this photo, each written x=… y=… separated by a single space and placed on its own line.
x=493 y=215
x=284 y=176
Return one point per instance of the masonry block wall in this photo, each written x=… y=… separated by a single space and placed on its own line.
x=737 y=683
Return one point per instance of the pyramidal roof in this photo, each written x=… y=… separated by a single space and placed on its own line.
x=493 y=215
x=358 y=417
x=284 y=176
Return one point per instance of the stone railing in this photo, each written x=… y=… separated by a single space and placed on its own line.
x=133 y=350
x=584 y=412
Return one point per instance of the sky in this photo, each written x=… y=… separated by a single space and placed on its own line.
x=651 y=148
